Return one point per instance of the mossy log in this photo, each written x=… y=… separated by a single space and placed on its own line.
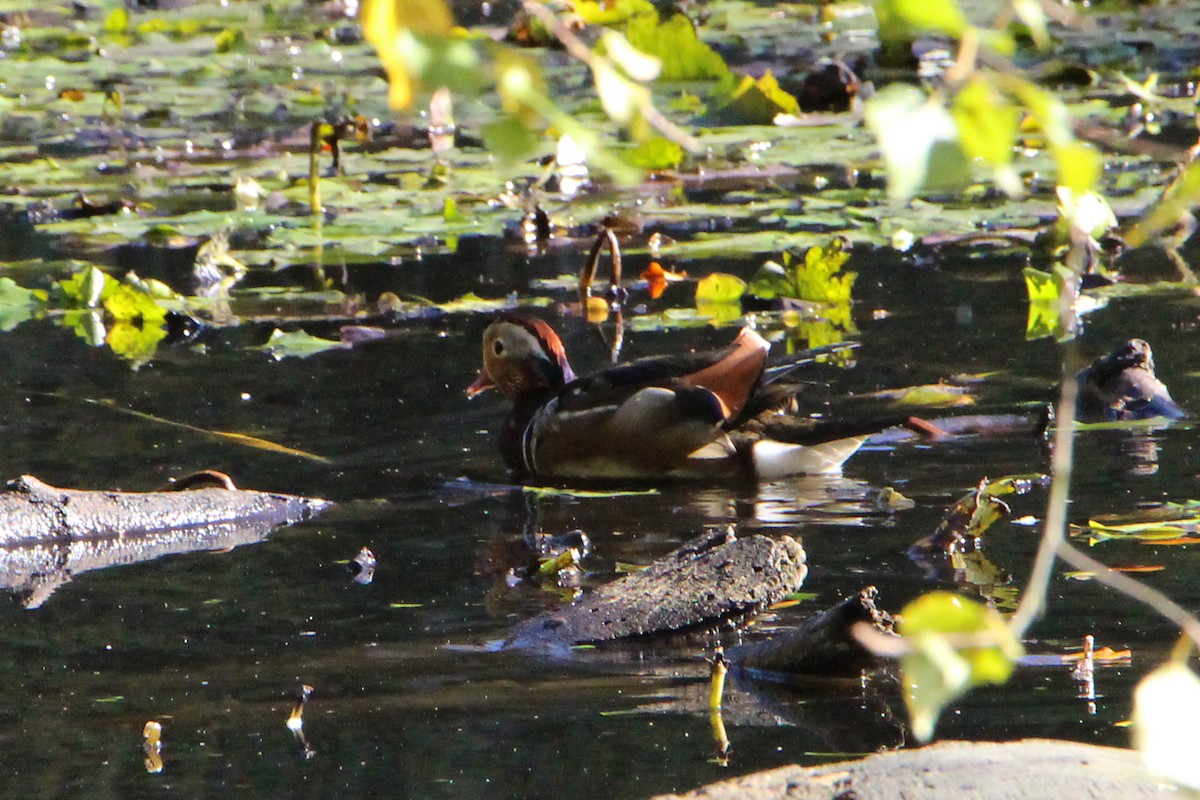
x=704 y=581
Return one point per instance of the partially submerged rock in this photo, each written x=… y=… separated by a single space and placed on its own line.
x=823 y=645
x=704 y=581
x=1123 y=386
x=1024 y=770
x=48 y=535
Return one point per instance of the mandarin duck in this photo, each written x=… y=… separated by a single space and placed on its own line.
x=694 y=415
x=1122 y=386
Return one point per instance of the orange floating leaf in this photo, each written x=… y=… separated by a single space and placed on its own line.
x=658 y=278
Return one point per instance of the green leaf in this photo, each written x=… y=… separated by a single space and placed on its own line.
x=127 y=304
x=1045 y=292
x=720 y=287
x=17 y=304
x=901 y=20
x=919 y=138
x=955 y=644
x=1177 y=202
x=674 y=42
x=988 y=122
x=298 y=344
x=135 y=341
x=117 y=21
x=758 y=102
x=87 y=288
x=1079 y=166
x=817 y=277
x=1033 y=15
x=510 y=139
x=613 y=13
x=773 y=280
x=1166 y=723
x=656 y=153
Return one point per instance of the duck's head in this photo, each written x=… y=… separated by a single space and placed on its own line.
x=521 y=355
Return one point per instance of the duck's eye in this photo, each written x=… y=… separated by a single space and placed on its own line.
x=498 y=347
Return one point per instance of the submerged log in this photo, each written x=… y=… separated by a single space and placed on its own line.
x=705 y=581
x=48 y=535
x=1029 y=769
x=823 y=645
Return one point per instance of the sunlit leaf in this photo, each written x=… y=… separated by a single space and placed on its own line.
x=509 y=138
x=135 y=341
x=758 y=102
x=987 y=121
x=298 y=344
x=1087 y=212
x=1079 y=166
x=613 y=12
x=87 y=288
x=550 y=491
x=903 y=19
x=655 y=153
x=675 y=44
x=1033 y=15
x=919 y=139
x=1166 y=723
x=935 y=395
x=18 y=304
x=720 y=287
x=1175 y=205
x=390 y=26
x=633 y=62
x=955 y=644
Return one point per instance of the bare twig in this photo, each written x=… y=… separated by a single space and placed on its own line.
x=1054 y=531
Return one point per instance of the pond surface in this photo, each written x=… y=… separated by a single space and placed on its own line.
x=408 y=702
x=409 y=697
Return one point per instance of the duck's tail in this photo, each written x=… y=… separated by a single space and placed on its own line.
x=773 y=460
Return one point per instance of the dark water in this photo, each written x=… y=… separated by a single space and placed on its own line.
x=406 y=704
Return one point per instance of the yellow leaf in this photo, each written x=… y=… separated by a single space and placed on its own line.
x=720 y=287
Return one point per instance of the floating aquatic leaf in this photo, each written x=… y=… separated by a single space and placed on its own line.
x=1085 y=575
x=549 y=491
x=566 y=560
x=656 y=153
x=298 y=344
x=758 y=102
x=18 y=304
x=720 y=288
x=657 y=279
x=934 y=395
x=955 y=644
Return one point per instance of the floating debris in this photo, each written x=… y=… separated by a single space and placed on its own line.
x=152 y=745
x=363 y=566
x=295 y=721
